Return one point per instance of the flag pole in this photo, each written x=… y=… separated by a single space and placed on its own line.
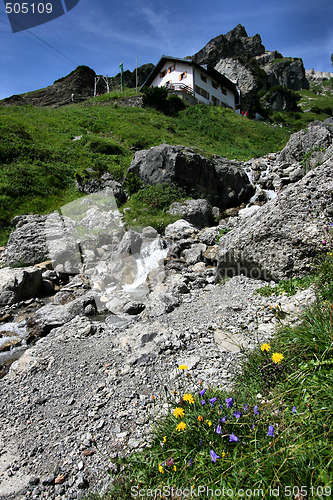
x=121 y=66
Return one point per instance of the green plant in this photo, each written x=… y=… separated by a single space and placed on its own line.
x=159 y=195
x=289 y=286
x=223 y=231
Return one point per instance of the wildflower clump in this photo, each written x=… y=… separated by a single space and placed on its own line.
x=181 y=427
x=179 y=412
x=270 y=367
x=277 y=357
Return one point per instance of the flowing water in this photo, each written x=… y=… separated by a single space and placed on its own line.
x=12 y=341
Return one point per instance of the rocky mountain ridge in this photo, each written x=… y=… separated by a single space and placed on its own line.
x=245 y=60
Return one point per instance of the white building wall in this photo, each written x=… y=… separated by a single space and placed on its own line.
x=173 y=76
x=228 y=98
x=191 y=71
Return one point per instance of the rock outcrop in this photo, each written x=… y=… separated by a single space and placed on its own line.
x=281 y=239
x=222 y=182
x=245 y=61
x=316 y=138
x=19 y=284
x=79 y=82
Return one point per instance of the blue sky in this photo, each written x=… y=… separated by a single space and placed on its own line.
x=102 y=33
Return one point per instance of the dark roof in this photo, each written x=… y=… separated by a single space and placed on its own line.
x=205 y=68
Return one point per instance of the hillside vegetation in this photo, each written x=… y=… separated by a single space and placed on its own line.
x=40 y=157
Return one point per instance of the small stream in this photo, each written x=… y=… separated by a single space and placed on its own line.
x=12 y=341
x=270 y=194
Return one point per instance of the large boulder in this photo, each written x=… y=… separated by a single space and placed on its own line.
x=52 y=316
x=27 y=243
x=316 y=137
x=222 y=182
x=19 y=284
x=197 y=212
x=282 y=238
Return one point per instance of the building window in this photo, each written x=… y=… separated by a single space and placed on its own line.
x=171 y=68
x=203 y=77
x=205 y=94
x=215 y=85
x=215 y=100
x=183 y=75
x=202 y=92
x=224 y=90
x=163 y=73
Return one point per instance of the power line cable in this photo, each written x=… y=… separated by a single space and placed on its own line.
x=41 y=40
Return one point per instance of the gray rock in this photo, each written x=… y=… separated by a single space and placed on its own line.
x=194 y=254
x=197 y=212
x=149 y=232
x=130 y=243
x=281 y=239
x=27 y=243
x=52 y=316
x=93 y=185
x=209 y=235
x=181 y=229
x=133 y=308
x=223 y=182
x=19 y=284
x=160 y=304
x=316 y=136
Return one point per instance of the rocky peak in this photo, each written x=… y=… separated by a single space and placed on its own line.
x=235 y=44
x=79 y=82
x=245 y=61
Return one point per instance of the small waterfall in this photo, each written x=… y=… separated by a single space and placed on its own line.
x=270 y=194
x=151 y=252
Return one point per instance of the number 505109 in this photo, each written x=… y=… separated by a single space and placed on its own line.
x=28 y=8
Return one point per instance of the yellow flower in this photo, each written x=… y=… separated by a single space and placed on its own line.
x=265 y=347
x=160 y=469
x=200 y=418
x=181 y=427
x=277 y=357
x=188 y=398
x=174 y=468
x=182 y=367
x=222 y=454
x=208 y=422
x=179 y=412
x=164 y=439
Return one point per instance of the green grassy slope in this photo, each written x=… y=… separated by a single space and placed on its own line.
x=39 y=158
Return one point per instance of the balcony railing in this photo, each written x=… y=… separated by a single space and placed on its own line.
x=179 y=87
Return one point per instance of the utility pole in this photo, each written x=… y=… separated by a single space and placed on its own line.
x=136 y=76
